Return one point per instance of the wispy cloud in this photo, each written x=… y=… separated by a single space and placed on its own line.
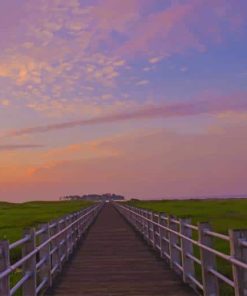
x=175 y=30
x=212 y=105
x=155 y=60
x=19 y=147
x=142 y=82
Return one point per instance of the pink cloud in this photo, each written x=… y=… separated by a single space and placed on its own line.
x=210 y=105
x=162 y=25
x=19 y=147
x=184 y=26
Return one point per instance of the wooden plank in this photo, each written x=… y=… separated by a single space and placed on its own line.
x=114 y=260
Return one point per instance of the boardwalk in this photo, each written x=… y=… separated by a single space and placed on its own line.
x=114 y=260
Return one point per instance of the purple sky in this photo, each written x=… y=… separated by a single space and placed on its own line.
x=138 y=97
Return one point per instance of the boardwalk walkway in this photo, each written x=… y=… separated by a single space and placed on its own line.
x=113 y=260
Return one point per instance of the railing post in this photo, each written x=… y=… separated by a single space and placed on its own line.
x=131 y=216
x=4 y=264
x=138 y=220
x=84 y=224
x=146 y=225
x=239 y=252
x=144 y=215
x=67 y=238
x=59 y=250
x=45 y=269
x=134 y=218
x=152 y=229
x=70 y=239
x=63 y=249
x=77 y=229
x=162 y=234
x=86 y=221
x=143 y=223
x=74 y=231
x=208 y=260
x=57 y=245
x=72 y=228
x=80 y=224
x=175 y=256
x=187 y=248
x=166 y=240
x=54 y=249
x=149 y=227
x=156 y=231
x=29 y=267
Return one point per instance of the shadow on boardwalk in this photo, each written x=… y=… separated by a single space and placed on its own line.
x=114 y=260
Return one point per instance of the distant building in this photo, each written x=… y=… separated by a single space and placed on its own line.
x=94 y=197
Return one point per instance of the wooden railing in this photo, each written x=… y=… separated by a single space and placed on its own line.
x=177 y=240
x=44 y=252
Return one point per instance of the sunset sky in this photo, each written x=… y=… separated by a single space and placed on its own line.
x=145 y=98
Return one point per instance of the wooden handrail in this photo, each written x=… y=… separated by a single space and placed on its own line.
x=44 y=252
x=173 y=239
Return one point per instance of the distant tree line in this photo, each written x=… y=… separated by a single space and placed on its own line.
x=94 y=197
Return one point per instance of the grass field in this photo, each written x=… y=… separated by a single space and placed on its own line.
x=221 y=214
x=14 y=218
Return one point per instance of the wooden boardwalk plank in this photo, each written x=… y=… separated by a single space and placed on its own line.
x=114 y=260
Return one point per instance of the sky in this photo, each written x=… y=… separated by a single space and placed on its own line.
x=142 y=98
